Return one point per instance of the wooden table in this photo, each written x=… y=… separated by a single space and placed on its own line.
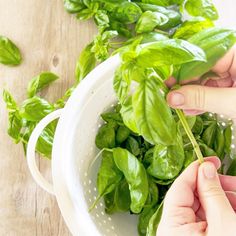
x=50 y=40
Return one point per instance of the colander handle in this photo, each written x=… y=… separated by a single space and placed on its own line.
x=39 y=179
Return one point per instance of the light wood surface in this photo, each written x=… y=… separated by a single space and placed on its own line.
x=50 y=40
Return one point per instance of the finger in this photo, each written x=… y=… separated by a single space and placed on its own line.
x=192 y=112
x=227 y=64
x=170 y=82
x=228 y=183
x=232 y=198
x=195 y=97
x=211 y=195
x=177 y=207
x=194 y=229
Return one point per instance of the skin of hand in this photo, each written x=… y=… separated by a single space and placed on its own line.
x=200 y=203
x=218 y=95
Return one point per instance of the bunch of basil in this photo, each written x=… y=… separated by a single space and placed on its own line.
x=145 y=142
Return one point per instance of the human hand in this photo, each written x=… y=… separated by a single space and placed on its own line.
x=217 y=95
x=200 y=202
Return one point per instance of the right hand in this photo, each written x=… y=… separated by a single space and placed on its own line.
x=217 y=95
x=200 y=202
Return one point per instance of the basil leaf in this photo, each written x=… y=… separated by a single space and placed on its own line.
x=105 y=137
x=119 y=199
x=149 y=21
x=101 y=19
x=109 y=175
x=209 y=135
x=127 y=12
x=215 y=42
x=144 y=219
x=112 y=117
x=132 y=146
x=232 y=168
x=204 y=8
x=190 y=157
x=35 y=108
x=191 y=27
x=122 y=134
x=154 y=221
x=206 y=150
x=157 y=2
x=152 y=114
x=121 y=28
x=169 y=52
x=219 y=143
x=9 y=53
x=15 y=122
x=74 y=6
x=121 y=83
x=165 y=165
x=173 y=17
x=135 y=175
x=128 y=116
x=85 y=63
x=228 y=139
x=39 y=82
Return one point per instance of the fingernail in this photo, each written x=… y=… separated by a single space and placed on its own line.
x=177 y=99
x=209 y=170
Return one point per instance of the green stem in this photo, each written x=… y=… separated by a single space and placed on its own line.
x=190 y=135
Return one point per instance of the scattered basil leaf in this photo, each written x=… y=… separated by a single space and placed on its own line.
x=9 y=53
x=39 y=82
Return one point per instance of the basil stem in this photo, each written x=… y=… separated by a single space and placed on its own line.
x=190 y=135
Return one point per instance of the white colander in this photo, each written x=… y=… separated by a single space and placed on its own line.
x=74 y=149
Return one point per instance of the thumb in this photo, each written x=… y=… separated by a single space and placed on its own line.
x=211 y=195
x=202 y=98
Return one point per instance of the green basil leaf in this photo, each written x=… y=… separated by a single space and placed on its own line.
x=135 y=175
x=232 y=168
x=35 y=108
x=127 y=12
x=228 y=139
x=74 y=6
x=39 y=82
x=112 y=117
x=169 y=52
x=191 y=27
x=132 y=146
x=121 y=82
x=85 y=63
x=122 y=134
x=121 y=28
x=144 y=218
x=219 y=142
x=157 y=2
x=190 y=157
x=154 y=221
x=165 y=165
x=153 y=195
x=204 y=8
x=149 y=21
x=206 y=151
x=173 y=16
x=101 y=19
x=9 y=53
x=152 y=115
x=128 y=116
x=209 y=135
x=109 y=175
x=15 y=121
x=101 y=45
x=119 y=199
x=215 y=42
x=198 y=126
x=106 y=137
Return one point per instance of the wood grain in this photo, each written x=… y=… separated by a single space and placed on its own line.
x=50 y=40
